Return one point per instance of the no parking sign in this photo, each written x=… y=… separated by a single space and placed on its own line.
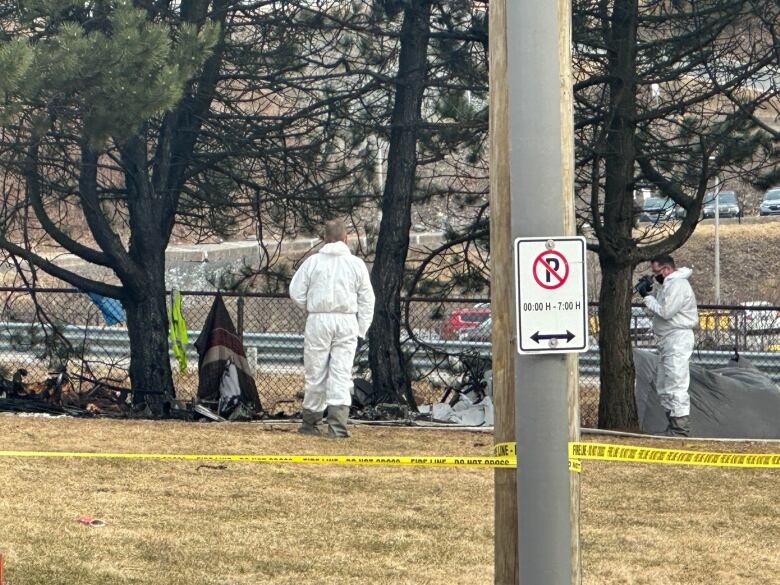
x=552 y=307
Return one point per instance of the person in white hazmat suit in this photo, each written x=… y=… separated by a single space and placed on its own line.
x=675 y=315
x=335 y=289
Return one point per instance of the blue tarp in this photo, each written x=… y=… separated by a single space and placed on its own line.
x=112 y=310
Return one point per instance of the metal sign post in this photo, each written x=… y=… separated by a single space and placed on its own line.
x=550 y=309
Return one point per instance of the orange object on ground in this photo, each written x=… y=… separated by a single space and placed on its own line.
x=88 y=521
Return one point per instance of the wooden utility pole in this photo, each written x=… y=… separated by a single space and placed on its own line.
x=501 y=299
x=532 y=195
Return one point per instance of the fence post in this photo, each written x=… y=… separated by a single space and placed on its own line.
x=250 y=352
x=240 y=319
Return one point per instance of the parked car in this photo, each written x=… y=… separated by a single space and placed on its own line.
x=770 y=203
x=680 y=212
x=759 y=318
x=657 y=210
x=481 y=332
x=640 y=326
x=460 y=320
x=728 y=205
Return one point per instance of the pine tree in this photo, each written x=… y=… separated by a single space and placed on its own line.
x=666 y=94
x=196 y=117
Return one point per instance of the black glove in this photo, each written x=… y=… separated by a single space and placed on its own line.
x=644 y=286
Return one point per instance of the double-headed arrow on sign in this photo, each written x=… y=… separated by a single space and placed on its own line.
x=568 y=336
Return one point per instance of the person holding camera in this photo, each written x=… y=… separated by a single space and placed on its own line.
x=675 y=315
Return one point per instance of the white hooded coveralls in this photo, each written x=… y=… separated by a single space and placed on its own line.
x=675 y=315
x=335 y=289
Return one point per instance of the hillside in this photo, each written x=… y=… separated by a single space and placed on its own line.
x=749 y=261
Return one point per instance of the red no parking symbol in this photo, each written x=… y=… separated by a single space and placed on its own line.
x=550 y=269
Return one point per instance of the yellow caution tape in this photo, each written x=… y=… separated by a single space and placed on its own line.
x=510 y=450
x=505 y=457
x=579 y=452
x=633 y=454
x=400 y=461
x=505 y=450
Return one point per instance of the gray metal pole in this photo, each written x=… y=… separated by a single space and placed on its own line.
x=716 y=188
x=717 y=245
x=542 y=165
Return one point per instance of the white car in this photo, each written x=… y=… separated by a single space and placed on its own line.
x=756 y=319
x=481 y=332
x=641 y=325
x=770 y=204
x=656 y=210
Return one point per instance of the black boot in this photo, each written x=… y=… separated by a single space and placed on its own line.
x=337 y=422
x=310 y=421
x=679 y=426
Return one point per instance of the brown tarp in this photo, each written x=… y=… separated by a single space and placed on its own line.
x=217 y=343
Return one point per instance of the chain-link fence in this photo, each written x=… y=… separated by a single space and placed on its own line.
x=45 y=328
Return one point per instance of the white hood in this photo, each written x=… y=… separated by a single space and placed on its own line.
x=682 y=272
x=335 y=249
x=335 y=281
x=674 y=304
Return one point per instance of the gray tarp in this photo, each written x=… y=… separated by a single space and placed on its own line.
x=735 y=401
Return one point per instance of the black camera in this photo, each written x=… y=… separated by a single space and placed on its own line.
x=644 y=286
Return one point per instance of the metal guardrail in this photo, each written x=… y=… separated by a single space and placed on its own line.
x=767 y=362
x=287 y=348
x=114 y=341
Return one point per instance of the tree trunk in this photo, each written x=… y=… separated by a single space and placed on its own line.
x=617 y=249
x=151 y=213
x=388 y=369
x=617 y=404
x=150 y=366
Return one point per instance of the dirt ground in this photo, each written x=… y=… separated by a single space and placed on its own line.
x=177 y=522
x=749 y=263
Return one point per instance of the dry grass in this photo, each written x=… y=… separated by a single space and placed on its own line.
x=659 y=525
x=175 y=523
